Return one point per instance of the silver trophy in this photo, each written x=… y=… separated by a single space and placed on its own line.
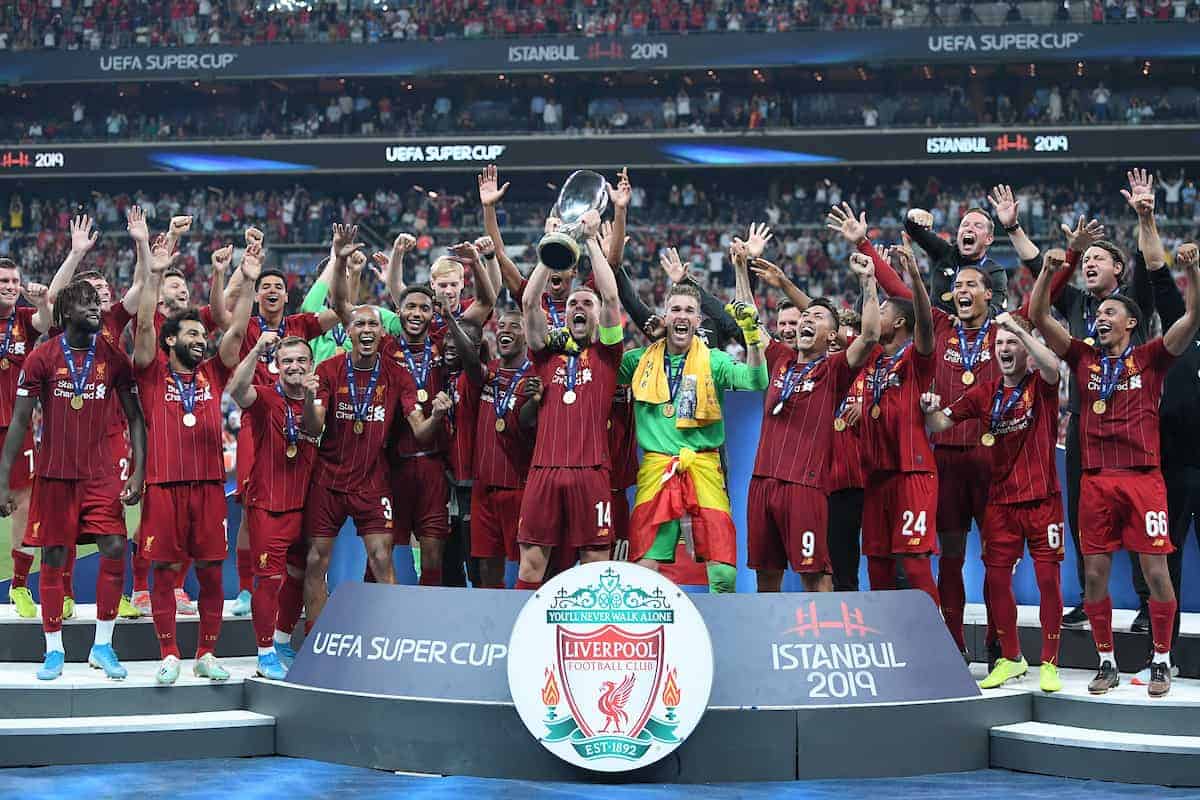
x=583 y=191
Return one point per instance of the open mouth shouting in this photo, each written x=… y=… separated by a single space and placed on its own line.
x=367 y=341
x=807 y=333
x=1103 y=329
x=1007 y=360
x=969 y=239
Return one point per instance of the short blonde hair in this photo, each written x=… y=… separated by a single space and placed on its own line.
x=445 y=266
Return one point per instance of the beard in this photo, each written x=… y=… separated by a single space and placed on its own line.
x=185 y=356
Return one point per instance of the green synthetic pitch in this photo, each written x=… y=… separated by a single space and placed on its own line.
x=132 y=515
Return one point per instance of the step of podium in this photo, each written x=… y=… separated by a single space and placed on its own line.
x=135 y=737
x=134 y=639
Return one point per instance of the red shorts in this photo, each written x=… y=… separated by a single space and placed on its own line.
x=567 y=507
x=420 y=498
x=495 y=511
x=1123 y=508
x=900 y=513
x=21 y=475
x=66 y=512
x=245 y=457
x=325 y=511
x=1008 y=526
x=275 y=538
x=184 y=520
x=786 y=523
x=964 y=475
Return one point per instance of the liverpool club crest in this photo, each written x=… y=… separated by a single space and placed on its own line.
x=627 y=666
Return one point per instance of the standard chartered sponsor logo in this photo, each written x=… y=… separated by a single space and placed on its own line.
x=999 y=42
x=170 y=62
x=444 y=152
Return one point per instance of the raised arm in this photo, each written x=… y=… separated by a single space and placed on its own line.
x=490 y=193
x=485 y=292
x=178 y=228
x=141 y=271
x=534 y=319
x=631 y=301
x=615 y=250
x=922 y=310
x=314 y=298
x=231 y=342
x=1140 y=196
x=145 y=338
x=83 y=238
x=918 y=224
x=773 y=276
x=1168 y=300
x=1179 y=337
x=343 y=247
x=254 y=238
x=861 y=347
x=468 y=351
x=1008 y=214
x=312 y=419
x=1056 y=336
x=1043 y=357
x=241 y=383
x=221 y=259
x=602 y=273
x=43 y=315
x=390 y=268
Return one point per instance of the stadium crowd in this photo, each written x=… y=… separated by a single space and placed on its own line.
x=76 y=24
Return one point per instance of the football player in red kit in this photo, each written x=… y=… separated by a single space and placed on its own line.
x=183 y=516
x=1019 y=412
x=788 y=497
x=287 y=430
x=78 y=376
x=1123 y=501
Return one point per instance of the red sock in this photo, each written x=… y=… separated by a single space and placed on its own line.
x=954 y=597
x=1049 y=580
x=920 y=576
x=431 y=576
x=291 y=600
x=68 y=570
x=245 y=568
x=527 y=584
x=1099 y=614
x=109 y=583
x=881 y=572
x=181 y=577
x=990 y=636
x=22 y=563
x=162 y=605
x=212 y=607
x=51 y=587
x=141 y=570
x=1162 y=624
x=264 y=607
x=1002 y=608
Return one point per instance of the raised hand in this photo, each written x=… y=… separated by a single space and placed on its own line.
x=1084 y=235
x=161 y=256
x=1187 y=256
x=1054 y=259
x=768 y=273
x=842 y=219
x=862 y=265
x=253 y=236
x=739 y=253
x=490 y=192
x=343 y=240
x=623 y=191
x=931 y=402
x=654 y=327
x=356 y=262
x=903 y=259
x=35 y=292
x=403 y=243
x=669 y=259
x=1006 y=321
x=311 y=383
x=222 y=258
x=266 y=343
x=921 y=218
x=252 y=263
x=756 y=241
x=1006 y=205
x=135 y=223
x=744 y=314
x=485 y=246
x=591 y=223
x=380 y=267
x=179 y=226
x=1140 y=194
x=83 y=237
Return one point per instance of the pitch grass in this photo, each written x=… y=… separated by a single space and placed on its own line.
x=132 y=515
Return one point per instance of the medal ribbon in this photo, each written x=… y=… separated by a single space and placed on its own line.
x=291 y=428
x=674 y=377
x=338 y=332
x=999 y=413
x=882 y=370
x=555 y=320
x=187 y=396
x=361 y=406
x=418 y=377
x=79 y=378
x=572 y=368
x=501 y=407
x=791 y=380
x=4 y=347
x=1111 y=370
x=971 y=354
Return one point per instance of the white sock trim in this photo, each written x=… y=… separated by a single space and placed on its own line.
x=1108 y=658
x=54 y=642
x=282 y=637
x=104 y=631
x=1162 y=658
x=266 y=651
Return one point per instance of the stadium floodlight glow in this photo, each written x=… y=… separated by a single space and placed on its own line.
x=1146 y=68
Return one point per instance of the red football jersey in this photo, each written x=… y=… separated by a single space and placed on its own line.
x=349 y=461
x=1126 y=435
x=437 y=326
x=74 y=441
x=947 y=381
x=502 y=458
x=404 y=443
x=175 y=451
x=120 y=318
x=896 y=440
x=572 y=435
x=846 y=471
x=278 y=483
x=556 y=310
x=1023 y=457
x=17 y=330
x=461 y=425
x=622 y=440
x=112 y=324
x=305 y=325
x=796 y=445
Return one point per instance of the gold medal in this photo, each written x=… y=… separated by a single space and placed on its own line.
x=1099 y=407
x=669 y=410
x=76 y=401
x=947 y=296
x=500 y=425
x=1089 y=341
x=358 y=426
x=291 y=451
x=422 y=396
x=876 y=411
x=839 y=424
x=569 y=397
x=610 y=424
x=988 y=439
x=5 y=363
x=968 y=377
x=189 y=420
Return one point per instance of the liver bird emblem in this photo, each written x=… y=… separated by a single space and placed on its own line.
x=612 y=703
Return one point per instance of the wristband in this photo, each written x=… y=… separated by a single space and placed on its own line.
x=1016 y=226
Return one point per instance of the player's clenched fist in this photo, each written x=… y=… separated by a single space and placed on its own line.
x=441 y=404
x=1187 y=256
x=930 y=402
x=266 y=342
